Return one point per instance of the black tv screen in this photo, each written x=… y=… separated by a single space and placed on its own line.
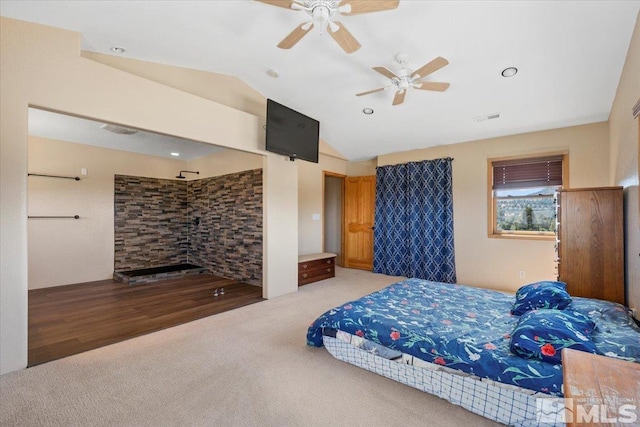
x=291 y=133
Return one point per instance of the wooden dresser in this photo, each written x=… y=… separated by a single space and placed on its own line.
x=315 y=267
x=590 y=242
x=604 y=391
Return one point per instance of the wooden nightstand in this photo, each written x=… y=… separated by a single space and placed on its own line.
x=605 y=391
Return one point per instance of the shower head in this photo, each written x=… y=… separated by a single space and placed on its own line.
x=183 y=177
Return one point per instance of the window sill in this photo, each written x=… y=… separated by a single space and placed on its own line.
x=518 y=236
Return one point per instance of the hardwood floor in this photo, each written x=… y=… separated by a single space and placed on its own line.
x=66 y=320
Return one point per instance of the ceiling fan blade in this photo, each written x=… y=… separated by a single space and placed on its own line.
x=437 y=86
x=399 y=98
x=386 y=72
x=372 y=91
x=295 y=36
x=347 y=42
x=429 y=68
x=280 y=3
x=355 y=7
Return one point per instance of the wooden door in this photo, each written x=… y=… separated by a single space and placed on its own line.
x=359 y=206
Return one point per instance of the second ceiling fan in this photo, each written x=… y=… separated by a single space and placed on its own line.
x=322 y=13
x=406 y=79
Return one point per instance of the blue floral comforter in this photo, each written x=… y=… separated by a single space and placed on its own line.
x=469 y=329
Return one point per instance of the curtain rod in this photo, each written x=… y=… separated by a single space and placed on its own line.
x=418 y=161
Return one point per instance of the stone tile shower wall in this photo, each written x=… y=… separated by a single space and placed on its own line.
x=215 y=223
x=225 y=225
x=150 y=222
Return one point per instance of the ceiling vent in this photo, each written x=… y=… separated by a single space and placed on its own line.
x=636 y=109
x=120 y=130
x=487 y=117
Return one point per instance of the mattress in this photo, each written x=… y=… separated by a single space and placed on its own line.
x=468 y=329
x=499 y=402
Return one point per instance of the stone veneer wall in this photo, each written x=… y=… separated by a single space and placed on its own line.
x=215 y=223
x=150 y=222
x=225 y=225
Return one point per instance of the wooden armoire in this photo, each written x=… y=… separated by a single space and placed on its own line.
x=590 y=242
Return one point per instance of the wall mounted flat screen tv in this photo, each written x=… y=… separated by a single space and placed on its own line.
x=291 y=133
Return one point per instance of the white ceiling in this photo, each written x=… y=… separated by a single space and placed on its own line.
x=569 y=54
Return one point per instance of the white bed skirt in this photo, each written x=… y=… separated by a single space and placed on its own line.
x=503 y=403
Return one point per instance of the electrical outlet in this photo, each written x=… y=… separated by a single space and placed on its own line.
x=523 y=275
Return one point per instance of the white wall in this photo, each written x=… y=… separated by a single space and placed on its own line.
x=624 y=160
x=280 y=269
x=362 y=168
x=225 y=162
x=310 y=196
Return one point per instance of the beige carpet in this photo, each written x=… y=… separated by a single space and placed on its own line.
x=247 y=367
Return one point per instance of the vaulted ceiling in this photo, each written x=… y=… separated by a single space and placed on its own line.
x=569 y=56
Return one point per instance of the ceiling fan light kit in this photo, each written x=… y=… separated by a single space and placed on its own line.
x=322 y=13
x=406 y=79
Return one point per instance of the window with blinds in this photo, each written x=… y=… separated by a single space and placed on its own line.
x=522 y=192
x=522 y=173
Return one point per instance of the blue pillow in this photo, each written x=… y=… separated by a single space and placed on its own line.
x=537 y=295
x=542 y=334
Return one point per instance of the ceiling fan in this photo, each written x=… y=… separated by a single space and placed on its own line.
x=322 y=13
x=406 y=79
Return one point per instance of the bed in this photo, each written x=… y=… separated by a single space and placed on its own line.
x=455 y=341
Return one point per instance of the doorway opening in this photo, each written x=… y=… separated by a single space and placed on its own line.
x=333 y=227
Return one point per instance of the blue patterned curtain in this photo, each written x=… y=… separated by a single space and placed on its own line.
x=413 y=233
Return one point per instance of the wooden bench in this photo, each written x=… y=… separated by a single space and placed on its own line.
x=315 y=267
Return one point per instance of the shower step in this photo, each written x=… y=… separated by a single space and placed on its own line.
x=156 y=274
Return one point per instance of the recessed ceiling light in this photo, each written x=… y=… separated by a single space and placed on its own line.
x=118 y=49
x=272 y=73
x=367 y=111
x=509 y=72
x=175 y=154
